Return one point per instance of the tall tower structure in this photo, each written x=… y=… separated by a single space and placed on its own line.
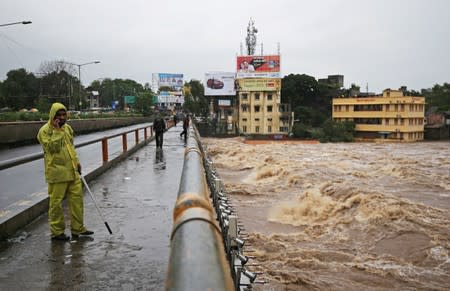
x=250 y=40
x=258 y=88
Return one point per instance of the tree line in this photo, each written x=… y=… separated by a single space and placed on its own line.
x=309 y=99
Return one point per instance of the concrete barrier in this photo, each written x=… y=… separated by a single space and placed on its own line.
x=23 y=132
x=23 y=212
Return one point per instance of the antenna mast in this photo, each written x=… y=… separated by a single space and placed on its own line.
x=250 y=40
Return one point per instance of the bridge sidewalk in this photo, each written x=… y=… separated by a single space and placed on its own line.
x=136 y=199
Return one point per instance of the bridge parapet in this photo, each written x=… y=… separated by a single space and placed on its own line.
x=207 y=241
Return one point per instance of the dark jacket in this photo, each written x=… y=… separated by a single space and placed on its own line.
x=186 y=122
x=159 y=125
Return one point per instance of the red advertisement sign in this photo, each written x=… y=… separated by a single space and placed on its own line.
x=250 y=64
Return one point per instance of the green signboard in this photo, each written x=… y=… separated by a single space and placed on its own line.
x=129 y=99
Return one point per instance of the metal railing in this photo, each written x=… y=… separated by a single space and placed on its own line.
x=207 y=242
x=197 y=258
x=104 y=140
x=233 y=233
x=11 y=223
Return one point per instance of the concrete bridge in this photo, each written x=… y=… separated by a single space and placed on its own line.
x=173 y=228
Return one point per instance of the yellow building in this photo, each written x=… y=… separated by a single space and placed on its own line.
x=390 y=116
x=260 y=110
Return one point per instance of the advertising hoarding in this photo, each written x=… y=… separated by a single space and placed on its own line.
x=221 y=102
x=168 y=80
x=219 y=84
x=170 y=97
x=258 y=66
x=259 y=84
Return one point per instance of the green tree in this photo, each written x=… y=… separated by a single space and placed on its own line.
x=115 y=90
x=144 y=102
x=60 y=86
x=310 y=100
x=20 y=89
x=301 y=130
x=439 y=96
x=336 y=131
x=194 y=98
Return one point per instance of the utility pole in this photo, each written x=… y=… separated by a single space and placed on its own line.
x=79 y=79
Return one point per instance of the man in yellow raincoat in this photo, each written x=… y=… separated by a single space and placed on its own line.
x=62 y=173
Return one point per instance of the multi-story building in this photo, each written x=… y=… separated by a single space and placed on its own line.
x=259 y=103
x=388 y=116
x=334 y=80
x=260 y=112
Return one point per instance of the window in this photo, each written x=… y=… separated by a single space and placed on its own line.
x=244 y=119
x=269 y=108
x=256 y=96
x=244 y=128
x=244 y=96
x=269 y=128
x=257 y=108
x=269 y=97
x=256 y=128
x=284 y=128
x=269 y=119
x=368 y=120
x=368 y=108
x=244 y=107
x=256 y=119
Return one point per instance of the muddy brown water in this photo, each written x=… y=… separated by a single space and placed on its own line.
x=341 y=216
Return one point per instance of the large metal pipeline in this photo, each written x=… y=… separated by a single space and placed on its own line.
x=197 y=258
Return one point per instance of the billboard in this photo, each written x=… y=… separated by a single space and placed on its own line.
x=259 y=84
x=221 y=102
x=168 y=80
x=258 y=66
x=170 y=97
x=219 y=84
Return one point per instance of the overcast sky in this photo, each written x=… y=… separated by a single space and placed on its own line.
x=385 y=43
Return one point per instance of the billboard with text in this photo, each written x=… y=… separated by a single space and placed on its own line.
x=220 y=84
x=259 y=84
x=258 y=66
x=174 y=81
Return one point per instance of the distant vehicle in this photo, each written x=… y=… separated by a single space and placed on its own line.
x=6 y=109
x=73 y=113
x=214 y=84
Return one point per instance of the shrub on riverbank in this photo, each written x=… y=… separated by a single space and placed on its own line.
x=39 y=116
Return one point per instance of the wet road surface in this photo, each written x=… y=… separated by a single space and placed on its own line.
x=136 y=198
x=13 y=190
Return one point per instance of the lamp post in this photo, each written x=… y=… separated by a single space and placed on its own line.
x=79 y=77
x=14 y=23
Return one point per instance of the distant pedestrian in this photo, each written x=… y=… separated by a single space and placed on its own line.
x=175 y=119
x=159 y=126
x=62 y=173
x=185 y=126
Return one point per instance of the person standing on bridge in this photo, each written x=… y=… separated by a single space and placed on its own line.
x=159 y=126
x=185 y=127
x=62 y=173
x=175 y=119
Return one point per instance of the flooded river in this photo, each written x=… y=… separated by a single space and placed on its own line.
x=342 y=216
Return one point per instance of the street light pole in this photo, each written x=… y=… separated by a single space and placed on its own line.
x=14 y=23
x=79 y=78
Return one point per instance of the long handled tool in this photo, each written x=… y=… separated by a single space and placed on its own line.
x=95 y=202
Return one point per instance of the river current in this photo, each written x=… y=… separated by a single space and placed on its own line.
x=341 y=216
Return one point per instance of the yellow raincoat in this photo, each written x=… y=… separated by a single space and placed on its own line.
x=61 y=174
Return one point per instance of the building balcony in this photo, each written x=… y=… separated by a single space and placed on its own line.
x=377 y=114
x=389 y=128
